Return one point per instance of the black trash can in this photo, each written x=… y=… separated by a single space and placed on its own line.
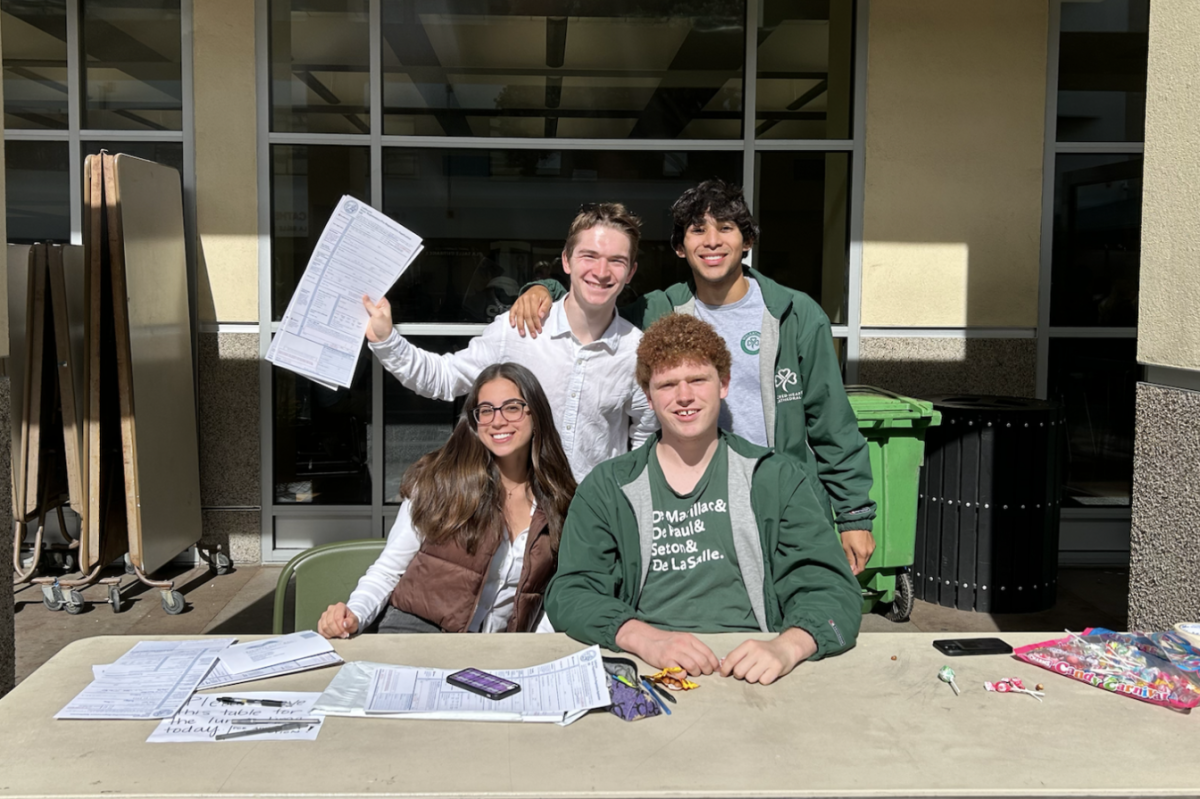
x=988 y=505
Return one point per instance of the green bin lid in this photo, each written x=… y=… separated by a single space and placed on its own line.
x=871 y=404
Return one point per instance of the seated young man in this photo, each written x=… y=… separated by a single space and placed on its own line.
x=700 y=531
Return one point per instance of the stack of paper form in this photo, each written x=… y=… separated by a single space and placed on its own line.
x=560 y=691
x=361 y=251
x=151 y=681
x=271 y=657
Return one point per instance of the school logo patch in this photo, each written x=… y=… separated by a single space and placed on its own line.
x=750 y=342
x=786 y=379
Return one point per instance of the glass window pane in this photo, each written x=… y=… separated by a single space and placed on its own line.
x=320 y=66
x=322 y=439
x=37 y=191
x=1097 y=240
x=35 y=63
x=494 y=219
x=647 y=70
x=1096 y=381
x=306 y=183
x=1103 y=48
x=803 y=211
x=805 y=70
x=132 y=54
x=414 y=425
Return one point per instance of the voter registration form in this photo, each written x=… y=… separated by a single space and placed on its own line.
x=361 y=251
x=559 y=691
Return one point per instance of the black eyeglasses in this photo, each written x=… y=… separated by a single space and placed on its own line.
x=513 y=411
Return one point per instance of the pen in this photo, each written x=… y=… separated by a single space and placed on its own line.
x=291 y=725
x=233 y=700
x=650 y=688
x=663 y=692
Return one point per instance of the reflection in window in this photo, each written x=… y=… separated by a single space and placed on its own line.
x=320 y=66
x=803 y=208
x=414 y=425
x=132 y=55
x=1096 y=380
x=1097 y=240
x=494 y=219
x=321 y=439
x=1103 y=49
x=306 y=183
x=38 y=191
x=35 y=63
x=657 y=69
x=805 y=70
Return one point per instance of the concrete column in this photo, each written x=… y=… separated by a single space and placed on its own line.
x=1164 y=546
x=227 y=225
x=955 y=124
x=7 y=640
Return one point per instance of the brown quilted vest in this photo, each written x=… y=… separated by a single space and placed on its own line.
x=443 y=582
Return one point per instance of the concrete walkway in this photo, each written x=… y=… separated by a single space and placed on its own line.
x=241 y=603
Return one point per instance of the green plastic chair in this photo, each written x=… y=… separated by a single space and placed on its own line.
x=323 y=575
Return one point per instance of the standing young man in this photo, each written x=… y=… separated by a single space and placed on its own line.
x=698 y=531
x=585 y=361
x=786 y=387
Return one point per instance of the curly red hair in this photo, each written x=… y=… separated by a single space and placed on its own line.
x=677 y=339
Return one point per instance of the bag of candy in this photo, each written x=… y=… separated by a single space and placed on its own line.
x=1112 y=661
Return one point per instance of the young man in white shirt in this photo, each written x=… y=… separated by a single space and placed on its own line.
x=585 y=359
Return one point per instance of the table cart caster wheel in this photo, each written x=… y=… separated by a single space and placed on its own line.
x=52 y=597
x=114 y=598
x=221 y=563
x=74 y=605
x=129 y=565
x=172 y=602
x=68 y=562
x=905 y=597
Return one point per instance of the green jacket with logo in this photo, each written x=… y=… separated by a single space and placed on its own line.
x=804 y=400
x=794 y=571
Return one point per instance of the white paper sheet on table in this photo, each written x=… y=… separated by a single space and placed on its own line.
x=274 y=651
x=203 y=718
x=559 y=691
x=219 y=677
x=151 y=681
x=361 y=251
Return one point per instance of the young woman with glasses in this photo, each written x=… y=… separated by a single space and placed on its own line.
x=476 y=539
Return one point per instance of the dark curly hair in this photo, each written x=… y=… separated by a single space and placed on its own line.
x=677 y=339
x=722 y=200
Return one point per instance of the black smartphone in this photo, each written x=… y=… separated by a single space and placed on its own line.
x=482 y=683
x=954 y=647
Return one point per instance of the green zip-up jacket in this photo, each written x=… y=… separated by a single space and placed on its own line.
x=804 y=400
x=795 y=572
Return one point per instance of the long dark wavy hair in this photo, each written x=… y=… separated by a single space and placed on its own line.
x=455 y=491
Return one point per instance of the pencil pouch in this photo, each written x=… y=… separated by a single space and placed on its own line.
x=630 y=702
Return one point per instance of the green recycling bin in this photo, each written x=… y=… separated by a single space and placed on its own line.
x=894 y=427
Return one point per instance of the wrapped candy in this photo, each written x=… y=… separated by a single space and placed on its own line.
x=1116 y=663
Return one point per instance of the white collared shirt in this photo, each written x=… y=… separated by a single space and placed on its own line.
x=597 y=404
x=496 y=601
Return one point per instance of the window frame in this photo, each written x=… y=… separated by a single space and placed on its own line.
x=378 y=515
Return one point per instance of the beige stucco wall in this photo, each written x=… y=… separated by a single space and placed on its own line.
x=226 y=160
x=1169 y=303
x=954 y=146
